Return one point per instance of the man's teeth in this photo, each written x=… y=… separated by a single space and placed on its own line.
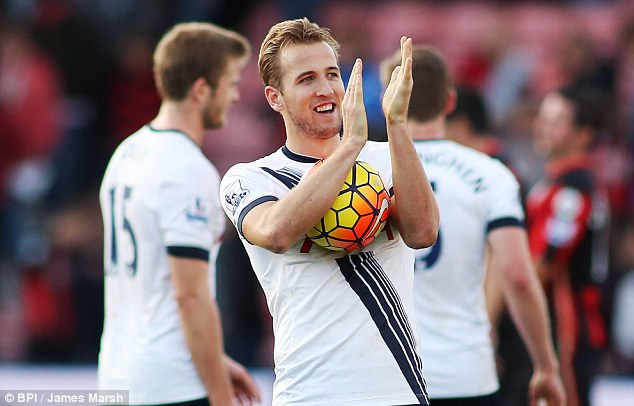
x=325 y=107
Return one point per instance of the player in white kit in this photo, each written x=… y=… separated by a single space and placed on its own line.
x=480 y=209
x=343 y=323
x=163 y=223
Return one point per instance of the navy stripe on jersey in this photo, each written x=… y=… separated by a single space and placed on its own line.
x=504 y=222
x=292 y=173
x=377 y=293
x=290 y=178
x=250 y=206
x=188 y=252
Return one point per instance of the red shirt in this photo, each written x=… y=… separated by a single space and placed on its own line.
x=567 y=221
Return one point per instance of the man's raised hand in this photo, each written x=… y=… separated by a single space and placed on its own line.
x=397 y=94
x=355 y=122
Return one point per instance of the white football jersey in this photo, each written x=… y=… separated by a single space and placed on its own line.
x=159 y=195
x=344 y=324
x=475 y=194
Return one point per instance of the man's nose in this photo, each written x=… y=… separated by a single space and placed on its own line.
x=324 y=87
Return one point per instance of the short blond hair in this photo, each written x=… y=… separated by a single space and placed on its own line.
x=283 y=34
x=189 y=51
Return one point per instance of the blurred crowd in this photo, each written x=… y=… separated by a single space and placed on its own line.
x=76 y=79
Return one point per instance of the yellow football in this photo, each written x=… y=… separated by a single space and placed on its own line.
x=358 y=214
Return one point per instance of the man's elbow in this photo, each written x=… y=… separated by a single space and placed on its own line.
x=418 y=238
x=277 y=247
x=276 y=242
x=191 y=300
x=520 y=278
x=418 y=231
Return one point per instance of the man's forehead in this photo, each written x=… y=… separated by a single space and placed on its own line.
x=555 y=104
x=302 y=57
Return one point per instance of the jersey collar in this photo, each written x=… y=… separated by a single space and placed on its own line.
x=297 y=157
x=172 y=130
x=560 y=166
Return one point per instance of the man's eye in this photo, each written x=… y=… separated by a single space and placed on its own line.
x=333 y=75
x=307 y=79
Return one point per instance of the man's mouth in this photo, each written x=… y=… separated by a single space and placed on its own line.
x=325 y=108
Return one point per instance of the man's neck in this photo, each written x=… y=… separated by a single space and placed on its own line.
x=311 y=146
x=568 y=155
x=429 y=130
x=177 y=116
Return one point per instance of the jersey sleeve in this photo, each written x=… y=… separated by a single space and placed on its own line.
x=504 y=199
x=243 y=188
x=189 y=211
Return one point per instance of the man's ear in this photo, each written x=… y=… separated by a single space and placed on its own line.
x=275 y=98
x=452 y=99
x=583 y=137
x=199 y=88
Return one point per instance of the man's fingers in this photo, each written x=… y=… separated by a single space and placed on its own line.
x=358 y=66
x=392 y=84
x=351 y=89
x=359 y=81
x=408 y=68
x=406 y=49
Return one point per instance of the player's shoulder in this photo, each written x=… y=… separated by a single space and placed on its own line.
x=246 y=169
x=479 y=157
x=176 y=154
x=136 y=138
x=464 y=150
x=448 y=153
x=276 y=158
x=581 y=179
x=159 y=141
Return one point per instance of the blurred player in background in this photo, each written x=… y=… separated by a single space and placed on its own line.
x=342 y=322
x=469 y=123
x=162 y=339
x=480 y=209
x=568 y=219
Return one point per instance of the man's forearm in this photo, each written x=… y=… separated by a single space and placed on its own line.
x=202 y=330
x=277 y=226
x=416 y=212
x=527 y=306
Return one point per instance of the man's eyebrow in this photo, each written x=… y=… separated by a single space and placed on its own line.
x=308 y=72
x=304 y=73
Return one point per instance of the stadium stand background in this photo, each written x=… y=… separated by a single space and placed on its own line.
x=76 y=78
